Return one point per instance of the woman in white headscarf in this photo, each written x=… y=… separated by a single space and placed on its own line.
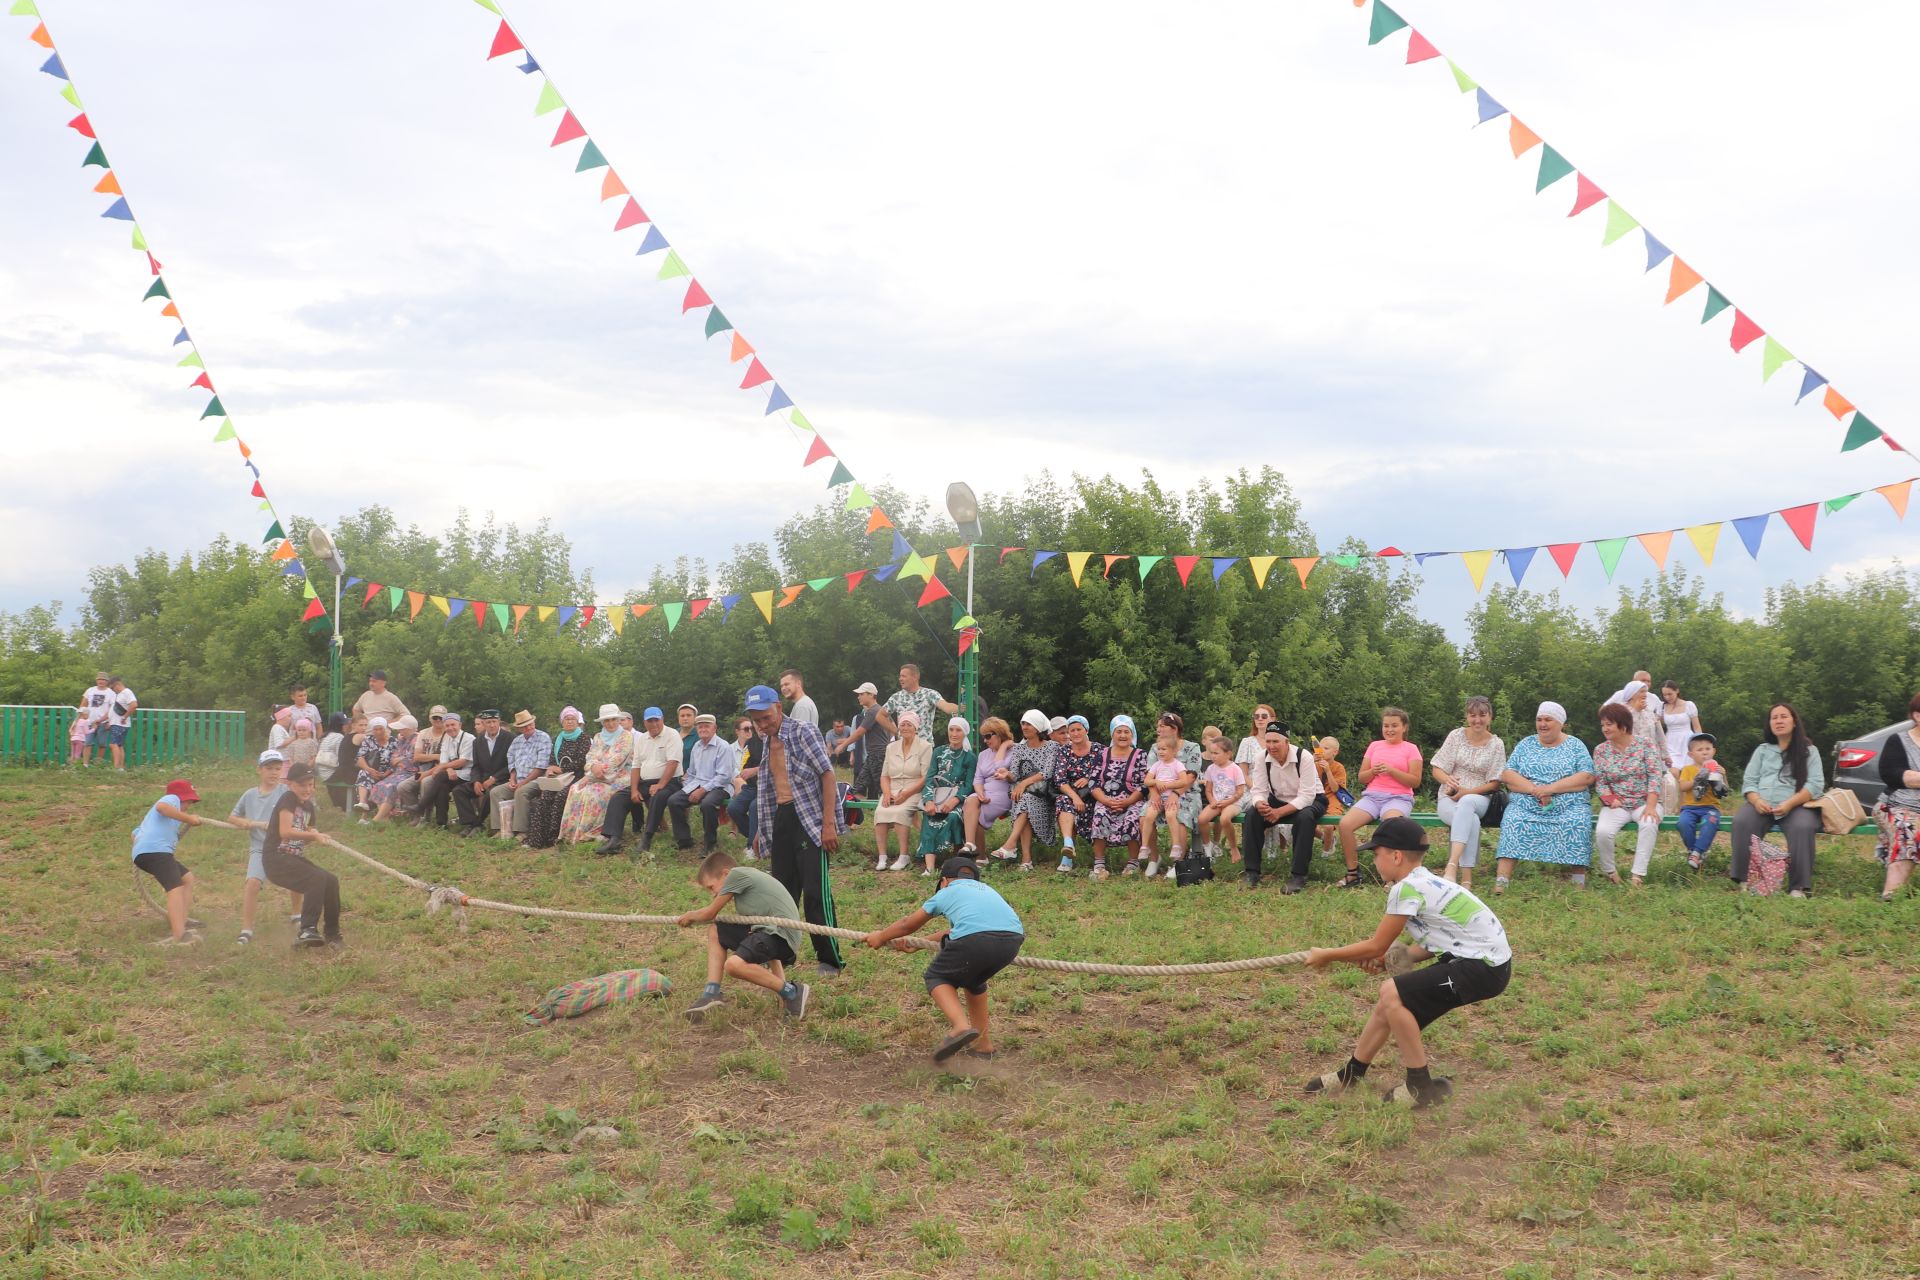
x=1549 y=818
x=1031 y=770
x=943 y=821
x=902 y=775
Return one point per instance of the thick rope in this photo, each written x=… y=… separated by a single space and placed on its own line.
x=449 y=897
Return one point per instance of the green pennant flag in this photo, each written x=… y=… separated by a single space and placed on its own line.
x=840 y=474
x=1346 y=562
x=1385 y=23
x=1772 y=356
x=498 y=612
x=95 y=156
x=915 y=566
x=672 y=266
x=1610 y=549
x=394 y=596
x=1834 y=504
x=24 y=9
x=158 y=289
x=72 y=95
x=1466 y=82
x=319 y=625
x=821 y=584
x=716 y=323
x=1146 y=564
x=550 y=99
x=275 y=533
x=673 y=612
x=590 y=158
x=192 y=361
x=265 y=505
x=488 y=5
x=214 y=410
x=858 y=499
x=1716 y=303
x=139 y=239
x=965 y=620
x=1619 y=222
x=1860 y=431
x=306 y=585
x=799 y=420
x=225 y=432
x=1553 y=167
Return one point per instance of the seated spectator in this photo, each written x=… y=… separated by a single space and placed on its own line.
x=949 y=782
x=1628 y=771
x=473 y=801
x=656 y=762
x=909 y=758
x=1282 y=791
x=836 y=736
x=337 y=763
x=1119 y=794
x=1073 y=773
x=386 y=792
x=304 y=748
x=1467 y=768
x=1898 y=813
x=447 y=774
x=1333 y=785
x=1549 y=818
x=709 y=787
x=1031 y=770
x=610 y=771
x=376 y=762
x=992 y=781
x=1781 y=777
x=548 y=804
x=1389 y=771
x=528 y=755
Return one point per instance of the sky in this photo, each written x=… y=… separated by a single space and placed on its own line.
x=972 y=244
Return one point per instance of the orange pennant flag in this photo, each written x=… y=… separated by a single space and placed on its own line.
x=519 y=612
x=284 y=551
x=109 y=185
x=1896 y=496
x=414 y=600
x=741 y=348
x=1682 y=279
x=1520 y=138
x=877 y=519
x=958 y=555
x=1303 y=565
x=244 y=451
x=40 y=37
x=1837 y=405
x=611 y=186
x=1656 y=545
x=170 y=310
x=792 y=594
x=1111 y=560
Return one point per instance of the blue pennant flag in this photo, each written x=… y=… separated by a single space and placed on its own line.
x=1421 y=557
x=1221 y=564
x=566 y=611
x=252 y=468
x=778 y=400
x=1810 y=382
x=1518 y=558
x=900 y=548
x=1040 y=558
x=1489 y=109
x=885 y=571
x=292 y=569
x=528 y=67
x=653 y=241
x=118 y=209
x=1657 y=253
x=454 y=606
x=726 y=605
x=54 y=67
x=1751 y=529
x=181 y=337
x=354 y=582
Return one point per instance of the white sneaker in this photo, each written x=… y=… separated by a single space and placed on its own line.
x=1153 y=869
x=899 y=863
x=1172 y=874
x=925 y=872
x=880 y=863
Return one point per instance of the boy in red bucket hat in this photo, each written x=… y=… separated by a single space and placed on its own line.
x=154 y=841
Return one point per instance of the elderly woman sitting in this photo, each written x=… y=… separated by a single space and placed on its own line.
x=902 y=775
x=547 y=800
x=1629 y=771
x=387 y=795
x=1119 y=794
x=376 y=762
x=1031 y=769
x=943 y=827
x=1548 y=818
x=992 y=797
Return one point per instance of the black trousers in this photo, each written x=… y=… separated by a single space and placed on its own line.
x=1300 y=828
x=801 y=865
x=712 y=805
x=471 y=808
x=319 y=888
x=646 y=817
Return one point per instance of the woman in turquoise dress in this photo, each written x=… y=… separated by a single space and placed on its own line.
x=1549 y=817
x=943 y=800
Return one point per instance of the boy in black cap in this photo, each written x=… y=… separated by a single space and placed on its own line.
x=1472 y=962
x=985 y=937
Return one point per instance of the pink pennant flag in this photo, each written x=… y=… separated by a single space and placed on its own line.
x=1585 y=196
x=569 y=130
x=756 y=374
x=154 y=263
x=1419 y=50
x=504 y=43
x=696 y=297
x=1744 y=330
x=631 y=216
x=818 y=451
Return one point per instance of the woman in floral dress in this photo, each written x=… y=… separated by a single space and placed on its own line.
x=609 y=762
x=1073 y=772
x=375 y=759
x=1628 y=772
x=1548 y=818
x=1119 y=794
x=384 y=792
x=1031 y=767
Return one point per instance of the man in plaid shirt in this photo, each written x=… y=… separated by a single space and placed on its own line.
x=797 y=805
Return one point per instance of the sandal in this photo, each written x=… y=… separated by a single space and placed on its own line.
x=955 y=1043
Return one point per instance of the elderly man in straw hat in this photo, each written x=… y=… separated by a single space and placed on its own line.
x=527 y=757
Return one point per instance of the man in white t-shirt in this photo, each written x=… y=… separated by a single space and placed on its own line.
x=120 y=711
x=96 y=700
x=794 y=690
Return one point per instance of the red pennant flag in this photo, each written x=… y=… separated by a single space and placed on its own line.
x=202 y=381
x=611 y=186
x=1007 y=551
x=936 y=590
x=1419 y=50
x=569 y=129
x=967 y=638
x=258 y=492
x=1585 y=196
x=819 y=450
x=154 y=263
x=314 y=610
x=1185 y=565
x=1389 y=551
x=853 y=579
x=697 y=607
x=1744 y=330
x=878 y=519
x=1563 y=554
x=696 y=297
x=631 y=216
x=504 y=43
x=1800 y=520
x=586 y=615
x=479 y=610
x=373 y=589
x=756 y=374
x=79 y=125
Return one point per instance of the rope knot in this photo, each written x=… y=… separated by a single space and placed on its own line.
x=450 y=897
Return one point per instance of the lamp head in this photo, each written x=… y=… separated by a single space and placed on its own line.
x=325 y=551
x=965 y=510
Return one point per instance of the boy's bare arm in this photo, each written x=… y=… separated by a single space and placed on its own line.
x=900 y=928
x=706 y=914
x=1361 y=953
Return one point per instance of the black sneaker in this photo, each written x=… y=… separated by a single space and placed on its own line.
x=608 y=847
x=1436 y=1092
x=1330 y=1082
x=698 y=1010
x=309 y=938
x=1294 y=884
x=825 y=970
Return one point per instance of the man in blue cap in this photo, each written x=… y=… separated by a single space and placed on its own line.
x=653 y=779
x=798 y=807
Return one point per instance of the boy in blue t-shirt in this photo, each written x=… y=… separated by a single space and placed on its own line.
x=154 y=842
x=985 y=937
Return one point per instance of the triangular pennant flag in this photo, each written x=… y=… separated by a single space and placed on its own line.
x=1040 y=558
x=967 y=639
x=488 y=5
x=1346 y=562
x=274 y=532
x=1110 y=560
x=1610 y=549
x=611 y=186
x=1477 y=562
x=857 y=499
x=1809 y=383
x=842 y=476
x=498 y=612
x=1461 y=78
x=544 y=612
x=1184 y=566
x=1744 y=331
x=204 y=380
x=1260 y=566
x=80 y=125
x=916 y=566
x=1860 y=431
x=1751 y=530
x=314 y=610
x=414 y=600
x=1656 y=545
x=936 y=590
x=566 y=613
x=519 y=612
x=1585 y=195
x=504 y=43
x=53 y=66
x=1007 y=551
x=1680 y=279
x=727 y=602
x=1145 y=564
x=957 y=556
x=670 y=266
x=1076 y=563
x=756 y=374
x=450 y=605
x=799 y=420
x=1837 y=504
x=1704 y=537
x=213 y=409
x=1657 y=253
x=40 y=36
x=877 y=519
x=1619 y=222
x=1772 y=356
x=480 y=615
x=763 y=601
x=191 y=360
x=1520 y=138
x=819 y=584
x=696 y=297
x=1800 y=520
x=716 y=322
x=778 y=400
x=394 y=596
x=1553 y=167
x=226 y=431
x=1563 y=554
x=373 y=589
x=695 y=608
x=1837 y=405
x=306 y=589
x=550 y=100
x=790 y=593
x=181 y=337
x=901 y=547
x=741 y=348
x=97 y=156
x=1419 y=50
x=653 y=241
x=248 y=453
x=1518 y=558
x=586 y=615
x=853 y=579
x=158 y=289
x=632 y=215
x=641 y=610
x=816 y=451
x=1385 y=23
x=528 y=67
x=569 y=130
x=1223 y=563
x=1487 y=107
x=1896 y=496
x=1303 y=565
x=284 y=551
x=72 y=95
x=118 y=209
x=1716 y=303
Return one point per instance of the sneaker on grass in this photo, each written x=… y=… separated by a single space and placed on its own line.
x=309 y=938
x=697 y=1011
x=795 y=1005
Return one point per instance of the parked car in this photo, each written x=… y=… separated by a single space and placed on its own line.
x=1856 y=763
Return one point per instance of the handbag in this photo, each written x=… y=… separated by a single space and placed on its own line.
x=1766 y=868
x=1193 y=868
x=1496 y=808
x=1840 y=811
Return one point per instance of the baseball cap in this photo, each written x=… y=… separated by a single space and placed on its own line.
x=377 y=674
x=272 y=757
x=181 y=789
x=300 y=773
x=651 y=713
x=761 y=698
x=866 y=686
x=960 y=869
x=1403 y=834
x=1707 y=738
x=437 y=712
x=1056 y=724
x=1274 y=726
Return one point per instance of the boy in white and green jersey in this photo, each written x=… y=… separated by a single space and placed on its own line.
x=1472 y=962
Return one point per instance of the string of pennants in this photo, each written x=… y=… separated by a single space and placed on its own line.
x=1682 y=278
x=907 y=563
x=279 y=547
x=756 y=376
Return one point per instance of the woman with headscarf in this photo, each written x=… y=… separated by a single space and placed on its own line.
x=1549 y=818
x=1781 y=777
x=1073 y=771
x=547 y=800
x=992 y=797
x=609 y=764
x=903 y=773
x=1119 y=794
x=386 y=792
x=943 y=823
x=375 y=759
x=1031 y=769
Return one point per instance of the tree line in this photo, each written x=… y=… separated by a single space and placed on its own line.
x=220 y=629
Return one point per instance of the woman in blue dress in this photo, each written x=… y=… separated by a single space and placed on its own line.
x=1549 y=817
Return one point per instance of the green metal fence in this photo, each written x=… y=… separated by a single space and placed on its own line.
x=159 y=735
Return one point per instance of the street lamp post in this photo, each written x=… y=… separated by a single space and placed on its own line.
x=323 y=548
x=965 y=510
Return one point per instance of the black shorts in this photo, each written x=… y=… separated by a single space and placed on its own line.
x=163 y=867
x=967 y=963
x=1448 y=983
x=755 y=946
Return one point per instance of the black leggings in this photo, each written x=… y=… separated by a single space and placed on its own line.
x=319 y=888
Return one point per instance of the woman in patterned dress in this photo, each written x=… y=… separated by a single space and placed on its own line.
x=1467 y=768
x=609 y=763
x=1031 y=770
x=1119 y=794
x=1073 y=771
x=375 y=759
x=1548 y=816
x=1171 y=728
x=1628 y=771
x=1898 y=812
x=386 y=792
x=943 y=824
x=548 y=805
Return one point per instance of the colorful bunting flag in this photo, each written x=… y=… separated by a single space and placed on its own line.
x=1657 y=253
x=1716 y=303
x=1385 y=23
x=504 y=43
x=1520 y=138
x=1744 y=331
x=1704 y=537
x=1860 y=431
x=1619 y=222
x=1477 y=562
x=1553 y=167
x=1076 y=564
x=1303 y=565
x=1145 y=564
x=1518 y=558
x=1751 y=530
x=1260 y=566
x=1657 y=545
x=1585 y=195
x=1223 y=563
x=1419 y=50
x=1896 y=496
x=1800 y=520
x=1772 y=356
x=936 y=590
x=1486 y=106
x=1563 y=554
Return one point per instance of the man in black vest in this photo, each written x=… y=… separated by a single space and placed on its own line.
x=489 y=771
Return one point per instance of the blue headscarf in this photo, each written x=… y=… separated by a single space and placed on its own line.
x=1118 y=721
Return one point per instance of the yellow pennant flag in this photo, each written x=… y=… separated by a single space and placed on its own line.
x=546 y=611
x=1260 y=565
x=763 y=601
x=1704 y=538
x=618 y=617
x=1477 y=562
x=1656 y=545
x=440 y=603
x=1077 y=561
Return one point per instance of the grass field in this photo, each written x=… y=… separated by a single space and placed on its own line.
x=1679 y=1082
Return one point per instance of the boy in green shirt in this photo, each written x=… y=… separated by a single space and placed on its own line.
x=757 y=954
